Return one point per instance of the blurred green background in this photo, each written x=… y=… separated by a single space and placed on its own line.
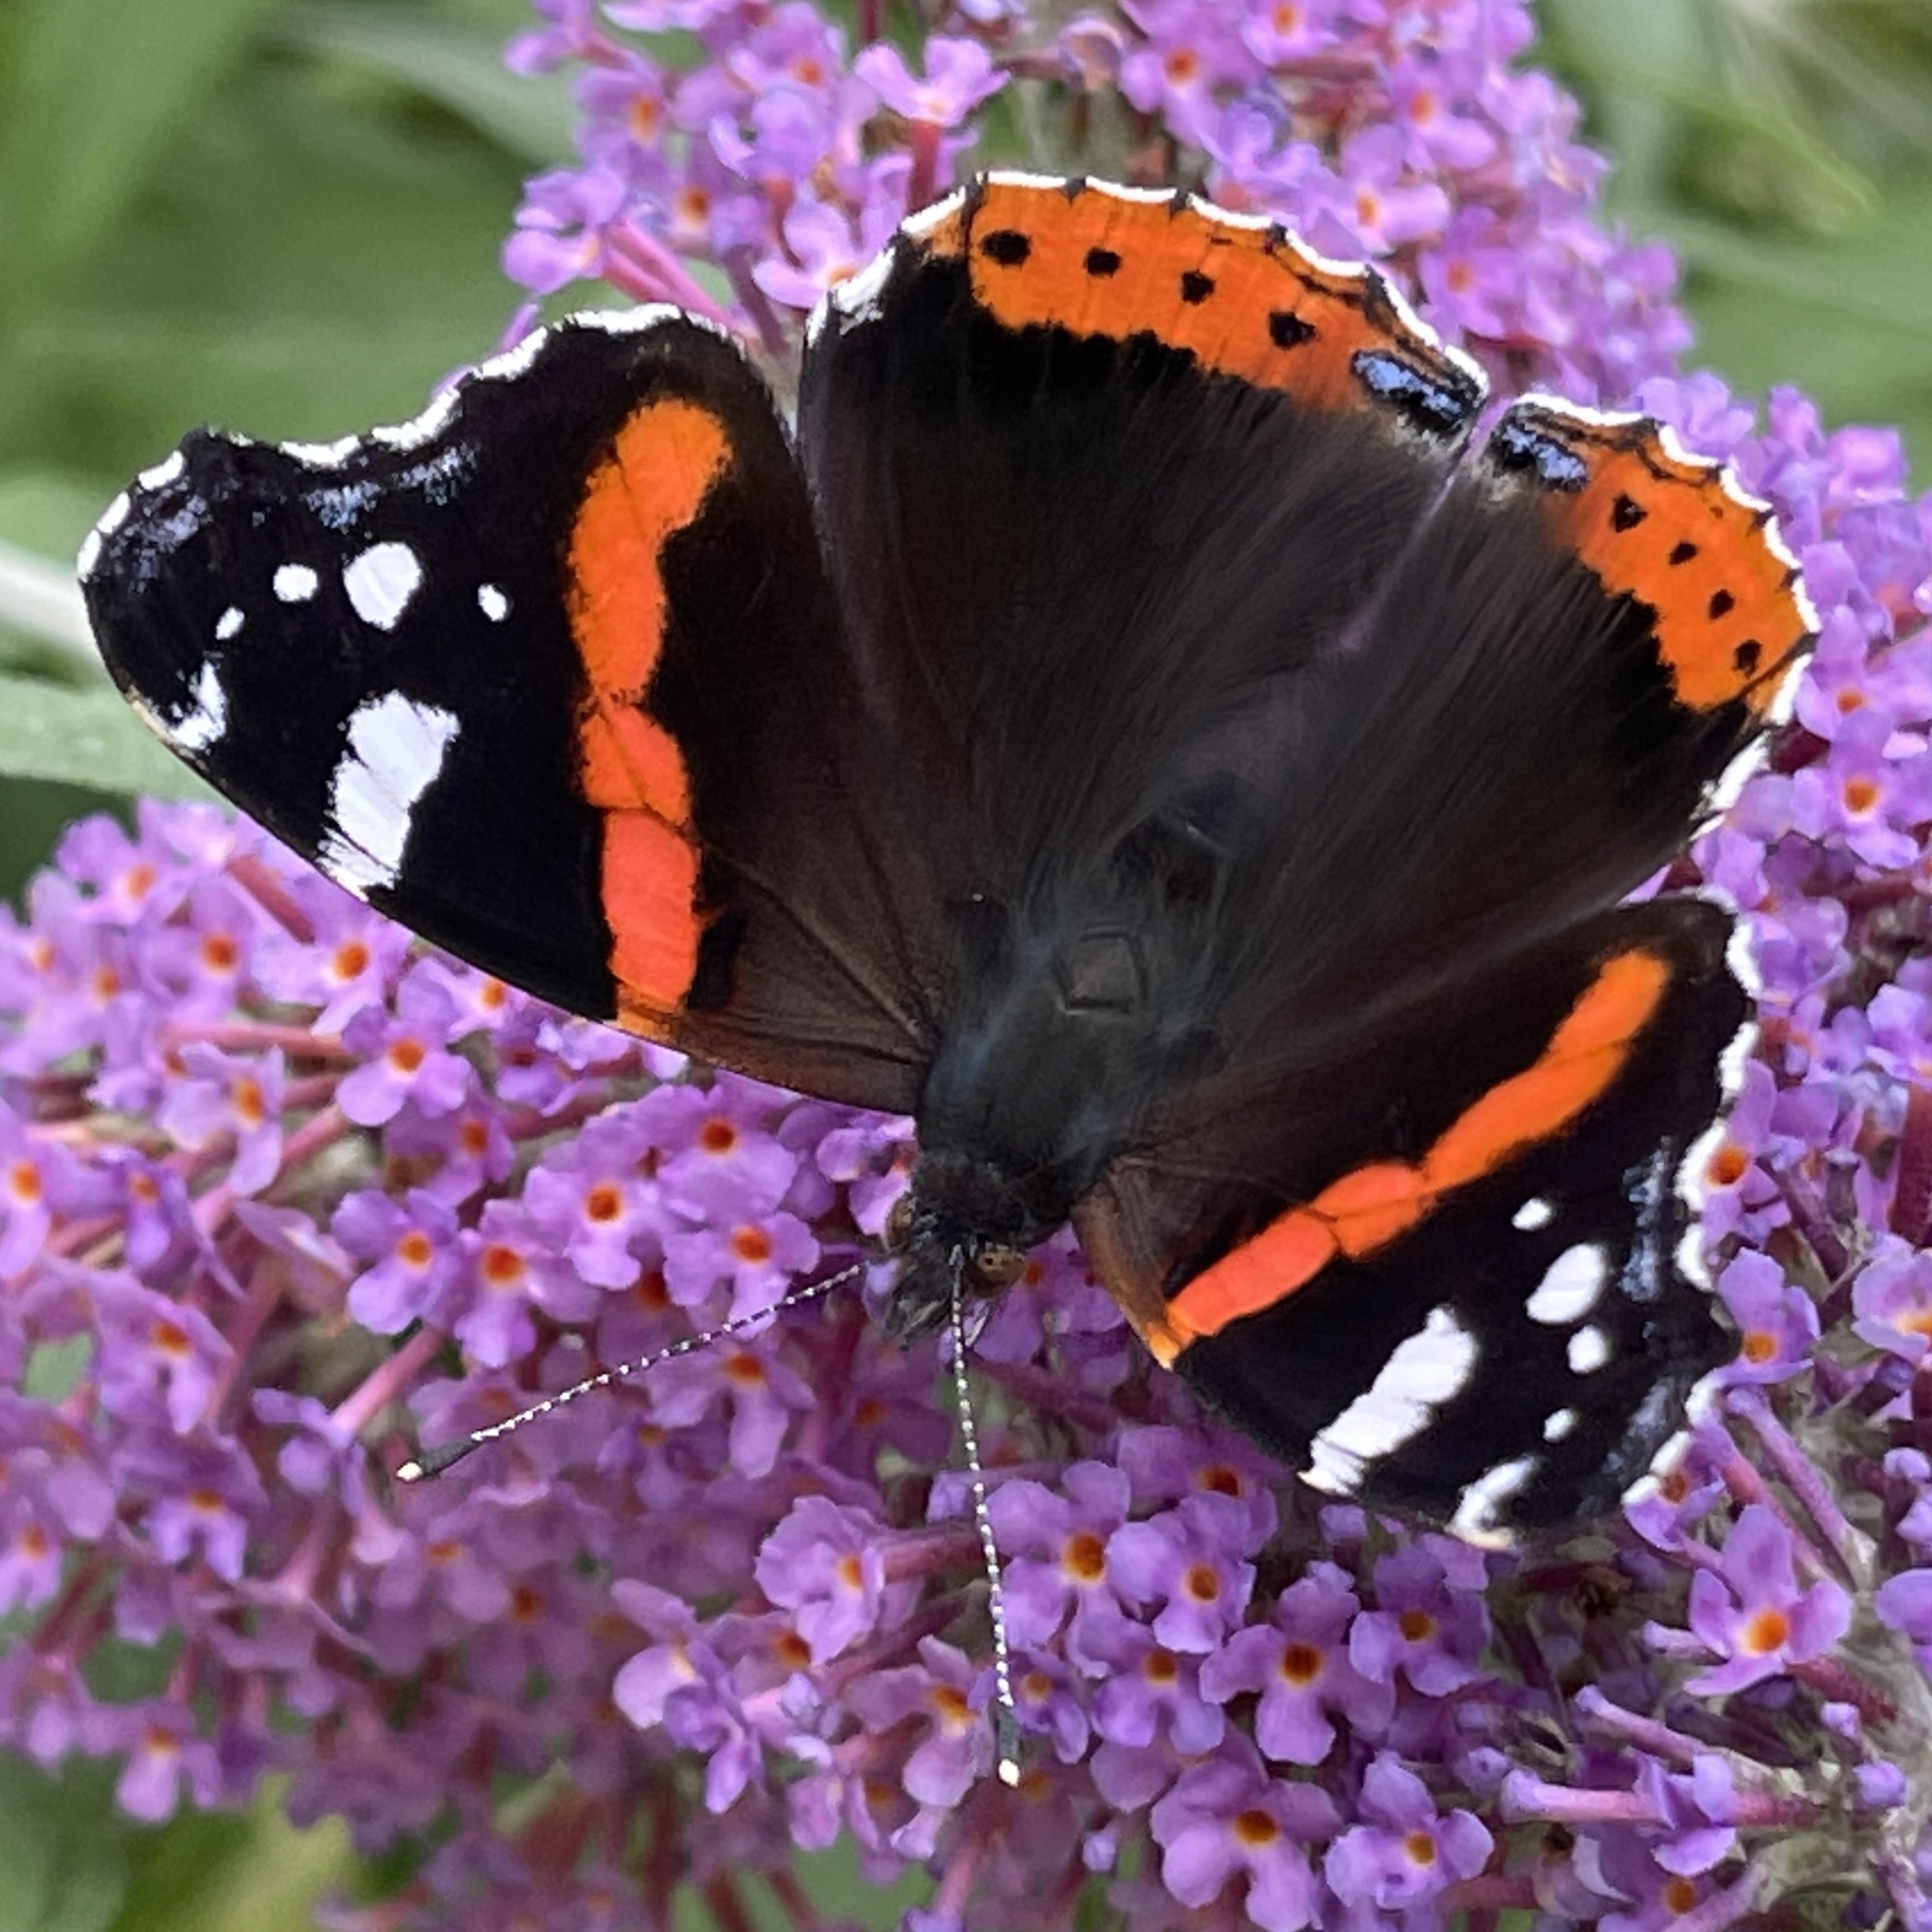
x=285 y=215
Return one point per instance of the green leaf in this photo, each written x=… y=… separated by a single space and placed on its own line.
x=62 y=1848
x=212 y=1873
x=99 y=89
x=298 y=270
x=452 y=63
x=86 y=738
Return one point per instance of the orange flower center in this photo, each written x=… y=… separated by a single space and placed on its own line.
x=1300 y=1664
x=1727 y=1165
x=1084 y=1558
x=1764 y=1631
x=1254 y=1829
x=1203 y=1582
x=502 y=1267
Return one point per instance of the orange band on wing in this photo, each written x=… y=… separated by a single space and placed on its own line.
x=1664 y=528
x=1373 y=1204
x=664 y=463
x=1246 y=298
x=650 y=882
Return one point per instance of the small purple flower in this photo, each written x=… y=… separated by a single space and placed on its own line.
x=1421 y=1625
x=934 y=1699
x=411 y=1248
x=1751 y=1611
x=1189 y=1560
x=1068 y=1585
x=405 y=1058
x=1300 y=1664
x=1227 y=1820
x=230 y=1102
x=1152 y=1692
x=959 y=75
x=1905 y=1603
x=1408 y=1852
x=1777 y=1320
x=822 y=1563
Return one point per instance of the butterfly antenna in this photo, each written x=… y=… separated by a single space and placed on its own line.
x=433 y=1462
x=1006 y=1719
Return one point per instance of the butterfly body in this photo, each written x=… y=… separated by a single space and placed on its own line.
x=1124 y=727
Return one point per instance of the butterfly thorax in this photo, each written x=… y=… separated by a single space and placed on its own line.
x=1076 y=1018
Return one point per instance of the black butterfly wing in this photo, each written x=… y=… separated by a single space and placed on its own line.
x=553 y=676
x=1454 y=1269
x=1327 y=762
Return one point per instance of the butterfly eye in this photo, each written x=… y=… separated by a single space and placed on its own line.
x=899 y=1223
x=997 y=1267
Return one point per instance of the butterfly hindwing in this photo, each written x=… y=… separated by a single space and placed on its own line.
x=1459 y=1286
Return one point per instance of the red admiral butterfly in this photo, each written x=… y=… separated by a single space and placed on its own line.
x=1119 y=729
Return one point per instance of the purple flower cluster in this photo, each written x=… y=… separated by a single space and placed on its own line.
x=738 y=157
x=283 y=1197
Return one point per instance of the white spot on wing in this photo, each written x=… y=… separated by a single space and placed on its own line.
x=640 y=321
x=228 y=625
x=1570 y=1286
x=1426 y=1370
x=321 y=456
x=1229 y=218
x=923 y=221
x=1559 y=1425
x=1475 y=1514
x=396 y=750
x=1022 y=178
x=857 y=298
x=296 y=583
x=206 y=716
x=1120 y=192
x=1588 y=1350
x=164 y=473
x=382 y=581
x=492 y=603
x=419 y=429
x=1533 y=1213
x=110 y=520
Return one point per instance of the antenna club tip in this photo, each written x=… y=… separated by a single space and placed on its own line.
x=1009 y=1772
x=433 y=1462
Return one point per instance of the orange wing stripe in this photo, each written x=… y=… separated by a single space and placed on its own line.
x=663 y=466
x=1292 y=1248
x=1663 y=527
x=1372 y=1205
x=1247 y=299
x=650 y=882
